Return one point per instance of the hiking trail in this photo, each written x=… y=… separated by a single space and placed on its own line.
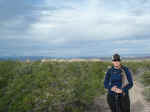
x=137 y=100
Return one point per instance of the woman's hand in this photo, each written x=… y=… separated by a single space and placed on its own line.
x=118 y=90
x=115 y=89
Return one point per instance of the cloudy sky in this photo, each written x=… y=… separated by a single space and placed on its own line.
x=62 y=28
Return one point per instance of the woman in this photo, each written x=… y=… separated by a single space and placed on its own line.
x=118 y=97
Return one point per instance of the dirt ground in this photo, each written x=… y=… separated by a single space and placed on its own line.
x=138 y=103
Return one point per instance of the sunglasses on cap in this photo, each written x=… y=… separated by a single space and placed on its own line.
x=116 y=60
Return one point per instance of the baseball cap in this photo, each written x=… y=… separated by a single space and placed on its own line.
x=116 y=57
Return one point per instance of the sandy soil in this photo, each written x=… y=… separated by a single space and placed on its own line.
x=138 y=103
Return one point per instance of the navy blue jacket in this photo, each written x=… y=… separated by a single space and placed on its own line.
x=113 y=77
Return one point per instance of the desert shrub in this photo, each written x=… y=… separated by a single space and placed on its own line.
x=52 y=86
x=55 y=86
x=146 y=78
x=147 y=94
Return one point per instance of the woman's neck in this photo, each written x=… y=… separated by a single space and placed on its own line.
x=117 y=67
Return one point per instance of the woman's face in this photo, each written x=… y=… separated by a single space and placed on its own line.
x=116 y=63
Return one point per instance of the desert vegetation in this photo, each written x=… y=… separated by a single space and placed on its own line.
x=57 y=86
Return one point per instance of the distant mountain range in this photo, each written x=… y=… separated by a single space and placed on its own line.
x=34 y=58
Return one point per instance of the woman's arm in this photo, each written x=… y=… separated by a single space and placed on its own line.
x=107 y=79
x=130 y=80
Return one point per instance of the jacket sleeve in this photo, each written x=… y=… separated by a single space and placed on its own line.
x=130 y=80
x=107 y=79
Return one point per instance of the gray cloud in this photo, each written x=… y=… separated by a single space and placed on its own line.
x=74 y=27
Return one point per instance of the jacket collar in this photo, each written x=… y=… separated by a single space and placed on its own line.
x=115 y=68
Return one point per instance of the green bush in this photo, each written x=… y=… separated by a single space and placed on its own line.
x=146 y=78
x=147 y=94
